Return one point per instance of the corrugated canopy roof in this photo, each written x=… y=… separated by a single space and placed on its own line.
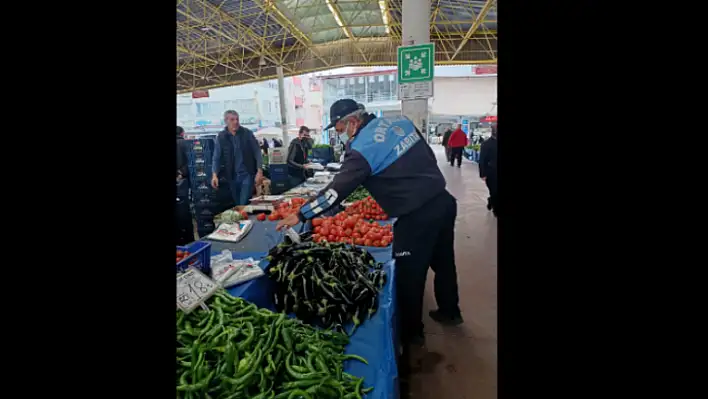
x=227 y=42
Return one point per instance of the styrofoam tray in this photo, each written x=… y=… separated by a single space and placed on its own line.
x=231 y=232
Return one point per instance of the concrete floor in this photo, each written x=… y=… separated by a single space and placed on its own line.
x=461 y=362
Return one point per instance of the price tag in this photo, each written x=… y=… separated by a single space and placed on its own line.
x=193 y=288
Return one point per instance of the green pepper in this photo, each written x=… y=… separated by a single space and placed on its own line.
x=299 y=393
x=251 y=335
x=295 y=374
x=287 y=339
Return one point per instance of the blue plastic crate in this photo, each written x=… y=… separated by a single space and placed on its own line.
x=200 y=257
x=278 y=176
x=278 y=169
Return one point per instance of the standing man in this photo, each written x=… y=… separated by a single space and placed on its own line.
x=237 y=159
x=391 y=159
x=457 y=143
x=297 y=157
x=445 y=139
x=488 y=169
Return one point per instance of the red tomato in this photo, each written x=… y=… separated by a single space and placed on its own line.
x=179 y=253
x=356 y=234
x=377 y=243
x=359 y=241
x=337 y=222
x=385 y=242
x=324 y=231
x=317 y=222
x=348 y=232
x=261 y=217
x=331 y=238
x=368 y=242
x=273 y=216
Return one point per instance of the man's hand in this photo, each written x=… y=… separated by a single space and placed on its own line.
x=289 y=221
x=259 y=176
x=214 y=181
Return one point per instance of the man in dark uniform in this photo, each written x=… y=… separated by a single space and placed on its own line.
x=488 y=169
x=391 y=159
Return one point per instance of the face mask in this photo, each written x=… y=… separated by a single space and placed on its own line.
x=344 y=136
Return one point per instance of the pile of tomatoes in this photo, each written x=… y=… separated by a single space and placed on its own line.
x=283 y=210
x=181 y=255
x=368 y=208
x=351 y=229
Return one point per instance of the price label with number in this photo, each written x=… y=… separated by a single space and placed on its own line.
x=193 y=288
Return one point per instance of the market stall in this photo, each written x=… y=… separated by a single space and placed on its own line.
x=375 y=339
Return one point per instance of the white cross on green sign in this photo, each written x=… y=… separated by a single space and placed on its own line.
x=416 y=63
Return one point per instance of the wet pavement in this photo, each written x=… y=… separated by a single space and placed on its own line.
x=461 y=362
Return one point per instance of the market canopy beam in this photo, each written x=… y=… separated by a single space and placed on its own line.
x=226 y=42
x=477 y=23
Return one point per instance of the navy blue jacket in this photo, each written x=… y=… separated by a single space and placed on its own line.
x=226 y=159
x=390 y=158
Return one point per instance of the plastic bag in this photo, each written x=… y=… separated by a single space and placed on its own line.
x=229 y=272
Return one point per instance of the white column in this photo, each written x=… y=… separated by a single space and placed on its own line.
x=416 y=30
x=283 y=110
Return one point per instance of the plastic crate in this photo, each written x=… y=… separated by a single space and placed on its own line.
x=278 y=169
x=279 y=187
x=200 y=257
x=278 y=176
x=205 y=212
x=326 y=154
x=204 y=200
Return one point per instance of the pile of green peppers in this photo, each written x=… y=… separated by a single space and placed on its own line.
x=237 y=351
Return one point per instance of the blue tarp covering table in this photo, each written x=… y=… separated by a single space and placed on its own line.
x=376 y=339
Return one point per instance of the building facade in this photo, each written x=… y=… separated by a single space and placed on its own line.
x=258 y=105
x=462 y=94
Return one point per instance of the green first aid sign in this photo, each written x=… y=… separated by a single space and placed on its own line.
x=416 y=63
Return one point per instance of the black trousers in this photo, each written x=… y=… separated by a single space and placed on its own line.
x=447 y=153
x=456 y=153
x=491 y=182
x=425 y=238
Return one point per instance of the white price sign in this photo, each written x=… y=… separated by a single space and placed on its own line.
x=193 y=288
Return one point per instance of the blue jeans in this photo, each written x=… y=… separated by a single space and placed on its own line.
x=241 y=189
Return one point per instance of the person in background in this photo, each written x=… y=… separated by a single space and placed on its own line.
x=297 y=157
x=457 y=142
x=445 y=139
x=277 y=143
x=307 y=142
x=264 y=146
x=237 y=159
x=185 y=228
x=488 y=169
x=390 y=158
